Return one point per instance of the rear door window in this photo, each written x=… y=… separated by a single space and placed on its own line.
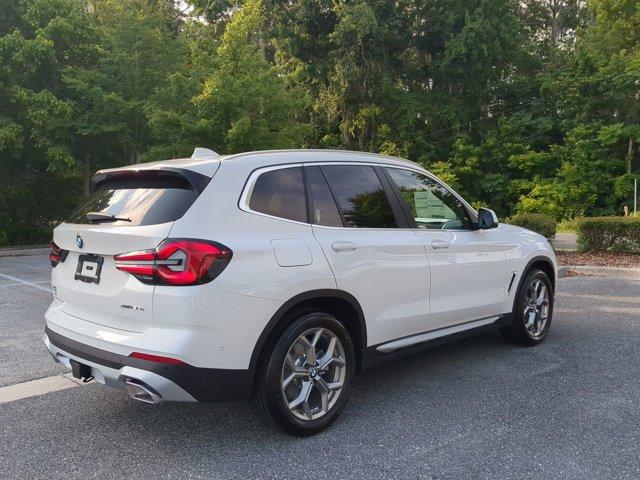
x=361 y=198
x=280 y=193
x=137 y=201
x=325 y=210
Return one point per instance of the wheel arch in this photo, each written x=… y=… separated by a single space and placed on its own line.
x=543 y=263
x=341 y=304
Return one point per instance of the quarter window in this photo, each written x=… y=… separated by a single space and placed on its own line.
x=280 y=193
x=432 y=205
x=360 y=196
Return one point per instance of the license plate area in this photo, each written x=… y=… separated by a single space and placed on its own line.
x=89 y=268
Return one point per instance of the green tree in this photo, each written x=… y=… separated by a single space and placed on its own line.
x=242 y=101
x=47 y=37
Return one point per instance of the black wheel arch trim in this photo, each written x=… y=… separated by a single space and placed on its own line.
x=536 y=259
x=299 y=299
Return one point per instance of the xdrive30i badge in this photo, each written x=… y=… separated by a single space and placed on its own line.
x=132 y=307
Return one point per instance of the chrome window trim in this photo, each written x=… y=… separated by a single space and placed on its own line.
x=245 y=196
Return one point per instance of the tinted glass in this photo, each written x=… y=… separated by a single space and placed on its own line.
x=140 y=205
x=432 y=205
x=325 y=211
x=360 y=196
x=280 y=193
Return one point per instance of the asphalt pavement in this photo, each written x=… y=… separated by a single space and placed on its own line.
x=478 y=408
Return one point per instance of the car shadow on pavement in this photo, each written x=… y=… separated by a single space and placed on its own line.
x=384 y=390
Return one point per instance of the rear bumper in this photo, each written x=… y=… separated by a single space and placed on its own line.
x=184 y=383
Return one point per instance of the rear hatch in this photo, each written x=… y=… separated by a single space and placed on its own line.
x=128 y=211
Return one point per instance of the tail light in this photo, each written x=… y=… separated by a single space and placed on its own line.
x=176 y=262
x=57 y=254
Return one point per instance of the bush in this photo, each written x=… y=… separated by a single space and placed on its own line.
x=537 y=222
x=568 y=225
x=19 y=234
x=609 y=233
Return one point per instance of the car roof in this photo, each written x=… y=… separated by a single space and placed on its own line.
x=209 y=164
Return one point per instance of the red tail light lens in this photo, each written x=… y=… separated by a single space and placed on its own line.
x=176 y=262
x=156 y=358
x=57 y=254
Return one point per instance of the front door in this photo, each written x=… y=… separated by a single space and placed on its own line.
x=468 y=266
x=357 y=225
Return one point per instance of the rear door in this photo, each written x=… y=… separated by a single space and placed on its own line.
x=468 y=266
x=358 y=225
x=143 y=206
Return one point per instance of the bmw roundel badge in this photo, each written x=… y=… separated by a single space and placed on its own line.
x=79 y=241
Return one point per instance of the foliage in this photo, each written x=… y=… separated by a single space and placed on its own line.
x=609 y=233
x=568 y=225
x=524 y=107
x=536 y=222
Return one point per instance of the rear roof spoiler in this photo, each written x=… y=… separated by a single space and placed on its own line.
x=168 y=175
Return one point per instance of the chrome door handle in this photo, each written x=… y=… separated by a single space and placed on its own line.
x=344 y=247
x=440 y=244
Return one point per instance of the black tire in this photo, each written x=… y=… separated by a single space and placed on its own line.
x=269 y=399
x=517 y=332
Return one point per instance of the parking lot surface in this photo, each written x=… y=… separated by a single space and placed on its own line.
x=478 y=408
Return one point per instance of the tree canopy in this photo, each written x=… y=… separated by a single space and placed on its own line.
x=521 y=106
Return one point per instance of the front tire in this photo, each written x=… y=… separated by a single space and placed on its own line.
x=532 y=310
x=304 y=379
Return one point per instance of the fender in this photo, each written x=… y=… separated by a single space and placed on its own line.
x=301 y=298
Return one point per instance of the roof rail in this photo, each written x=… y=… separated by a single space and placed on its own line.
x=200 y=152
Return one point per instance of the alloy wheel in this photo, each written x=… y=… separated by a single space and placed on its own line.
x=313 y=374
x=536 y=308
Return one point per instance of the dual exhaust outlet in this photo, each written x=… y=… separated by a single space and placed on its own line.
x=141 y=391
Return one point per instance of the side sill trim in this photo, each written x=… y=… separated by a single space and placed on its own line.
x=442 y=332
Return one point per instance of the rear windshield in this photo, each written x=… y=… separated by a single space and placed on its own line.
x=137 y=202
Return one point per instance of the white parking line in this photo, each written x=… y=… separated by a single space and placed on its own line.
x=22 y=284
x=33 y=388
x=25 y=282
x=33 y=267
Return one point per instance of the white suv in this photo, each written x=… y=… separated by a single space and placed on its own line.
x=278 y=275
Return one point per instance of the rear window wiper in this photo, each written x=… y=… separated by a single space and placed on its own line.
x=97 y=217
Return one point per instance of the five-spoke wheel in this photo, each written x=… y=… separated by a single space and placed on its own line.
x=532 y=311
x=306 y=376
x=536 y=308
x=313 y=374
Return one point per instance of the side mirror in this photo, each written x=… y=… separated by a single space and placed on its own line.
x=487 y=219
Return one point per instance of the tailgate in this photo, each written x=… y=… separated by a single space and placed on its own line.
x=117 y=300
x=130 y=211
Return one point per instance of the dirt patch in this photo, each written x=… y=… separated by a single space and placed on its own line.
x=575 y=273
x=599 y=259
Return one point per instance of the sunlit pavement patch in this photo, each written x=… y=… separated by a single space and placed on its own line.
x=37 y=387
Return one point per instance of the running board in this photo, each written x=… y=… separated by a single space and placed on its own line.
x=442 y=332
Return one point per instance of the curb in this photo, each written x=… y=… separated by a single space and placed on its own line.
x=23 y=251
x=564 y=268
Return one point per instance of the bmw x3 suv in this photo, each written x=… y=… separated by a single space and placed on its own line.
x=279 y=275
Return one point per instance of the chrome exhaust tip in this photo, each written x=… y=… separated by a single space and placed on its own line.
x=142 y=392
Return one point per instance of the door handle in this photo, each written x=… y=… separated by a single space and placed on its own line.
x=440 y=244
x=344 y=247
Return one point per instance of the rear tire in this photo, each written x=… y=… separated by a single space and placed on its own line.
x=532 y=310
x=304 y=378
